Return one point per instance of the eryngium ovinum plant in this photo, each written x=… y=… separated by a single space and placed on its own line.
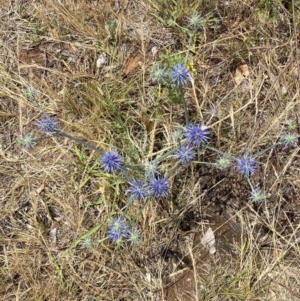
x=148 y=182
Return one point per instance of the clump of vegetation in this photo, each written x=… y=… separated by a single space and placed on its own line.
x=136 y=153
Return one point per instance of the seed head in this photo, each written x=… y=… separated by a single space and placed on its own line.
x=185 y=154
x=246 y=166
x=159 y=187
x=111 y=161
x=179 y=75
x=196 y=134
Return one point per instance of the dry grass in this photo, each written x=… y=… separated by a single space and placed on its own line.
x=54 y=198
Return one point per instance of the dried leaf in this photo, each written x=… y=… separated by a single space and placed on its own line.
x=101 y=61
x=147 y=122
x=131 y=64
x=124 y=3
x=203 y=66
x=208 y=240
x=284 y=90
x=52 y=236
x=241 y=72
x=273 y=296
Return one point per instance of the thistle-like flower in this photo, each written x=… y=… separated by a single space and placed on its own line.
x=159 y=187
x=158 y=74
x=184 y=154
x=196 y=134
x=28 y=140
x=179 y=75
x=111 y=161
x=151 y=169
x=137 y=190
x=289 y=139
x=86 y=243
x=30 y=93
x=117 y=229
x=47 y=125
x=257 y=196
x=133 y=236
x=177 y=135
x=223 y=162
x=194 y=21
x=246 y=166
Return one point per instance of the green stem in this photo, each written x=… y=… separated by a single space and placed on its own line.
x=184 y=106
x=60 y=133
x=189 y=47
x=265 y=150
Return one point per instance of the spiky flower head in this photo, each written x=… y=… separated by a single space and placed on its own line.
x=223 y=162
x=246 y=166
x=151 y=169
x=47 y=125
x=289 y=139
x=177 y=135
x=133 y=236
x=117 y=229
x=291 y=125
x=196 y=134
x=179 y=75
x=194 y=21
x=27 y=140
x=86 y=243
x=158 y=74
x=257 y=195
x=137 y=190
x=111 y=161
x=30 y=93
x=185 y=154
x=159 y=187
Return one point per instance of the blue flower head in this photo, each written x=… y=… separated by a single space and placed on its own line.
x=196 y=134
x=289 y=139
x=179 y=75
x=158 y=74
x=111 y=161
x=257 y=195
x=194 y=21
x=137 y=190
x=159 y=187
x=47 y=125
x=246 y=166
x=117 y=229
x=184 y=154
x=133 y=236
x=28 y=140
